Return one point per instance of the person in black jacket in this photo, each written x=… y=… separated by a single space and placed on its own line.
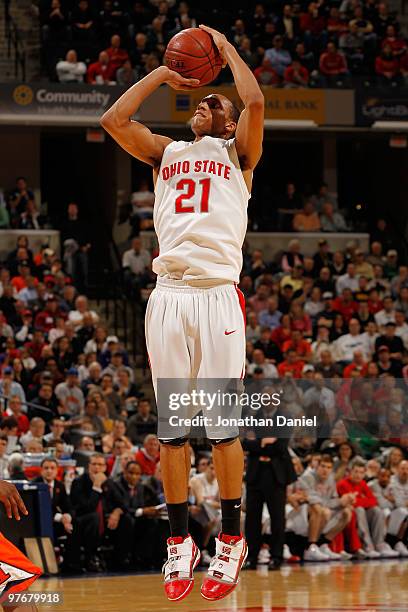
x=269 y=471
x=76 y=246
x=131 y=507
x=88 y=498
x=61 y=504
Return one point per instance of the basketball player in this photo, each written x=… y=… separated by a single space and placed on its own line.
x=16 y=571
x=195 y=319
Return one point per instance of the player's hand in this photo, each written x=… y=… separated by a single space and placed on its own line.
x=220 y=41
x=11 y=499
x=176 y=81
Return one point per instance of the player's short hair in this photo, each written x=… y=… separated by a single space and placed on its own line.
x=235 y=112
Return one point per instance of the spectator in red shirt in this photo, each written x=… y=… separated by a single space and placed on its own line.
x=298 y=344
x=375 y=303
x=265 y=74
x=387 y=66
x=296 y=75
x=358 y=365
x=35 y=347
x=370 y=518
x=14 y=409
x=291 y=365
x=20 y=282
x=117 y=55
x=149 y=455
x=333 y=65
x=46 y=319
x=114 y=460
x=300 y=320
x=283 y=332
x=311 y=22
x=397 y=44
x=345 y=305
x=101 y=72
x=335 y=25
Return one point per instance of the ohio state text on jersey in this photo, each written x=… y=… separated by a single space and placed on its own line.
x=200 y=212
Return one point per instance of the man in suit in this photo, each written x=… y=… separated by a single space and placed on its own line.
x=269 y=471
x=88 y=497
x=60 y=502
x=131 y=508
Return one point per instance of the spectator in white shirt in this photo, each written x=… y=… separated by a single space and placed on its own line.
x=142 y=202
x=370 y=336
x=346 y=345
x=321 y=344
x=253 y=329
x=259 y=362
x=387 y=314
x=136 y=264
x=401 y=328
x=70 y=394
x=348 y=280
x=70 y=70
x=320 y=397
x=398 y=522
x=76 y=316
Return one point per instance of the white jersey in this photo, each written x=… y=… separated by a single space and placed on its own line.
x=200 y=211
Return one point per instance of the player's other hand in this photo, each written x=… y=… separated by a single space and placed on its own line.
x=220 y=41
x=176 y=81
x=11 y=499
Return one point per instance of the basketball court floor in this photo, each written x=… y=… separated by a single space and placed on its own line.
x=376 y=586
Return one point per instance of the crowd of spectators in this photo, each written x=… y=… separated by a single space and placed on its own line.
x=19 y=209
x=329 y=332
x=290 y=45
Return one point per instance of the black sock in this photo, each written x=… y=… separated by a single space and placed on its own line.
x=323 y=540
x=231 y=516
x=178 y=518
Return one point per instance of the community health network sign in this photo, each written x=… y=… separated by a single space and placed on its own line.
x=55 y=99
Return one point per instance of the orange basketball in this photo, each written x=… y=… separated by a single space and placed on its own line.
x=192 y=54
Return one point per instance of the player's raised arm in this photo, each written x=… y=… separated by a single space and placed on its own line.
x=131 y=135
x=249 y=132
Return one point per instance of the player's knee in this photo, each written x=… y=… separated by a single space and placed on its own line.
x=177 y=442
x=223 y=442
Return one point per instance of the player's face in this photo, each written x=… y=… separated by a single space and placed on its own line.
x=212 y=117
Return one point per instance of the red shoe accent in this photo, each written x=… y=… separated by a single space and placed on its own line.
x=213 y=589
x=178 y=589
x=294 y=559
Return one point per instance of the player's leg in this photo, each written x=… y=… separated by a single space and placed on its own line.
x=169 y=358
x=222 y=334
x=18 y=573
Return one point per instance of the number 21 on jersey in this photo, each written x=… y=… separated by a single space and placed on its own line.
x=189 y=188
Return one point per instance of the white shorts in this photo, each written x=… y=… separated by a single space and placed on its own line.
x=195 y=332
